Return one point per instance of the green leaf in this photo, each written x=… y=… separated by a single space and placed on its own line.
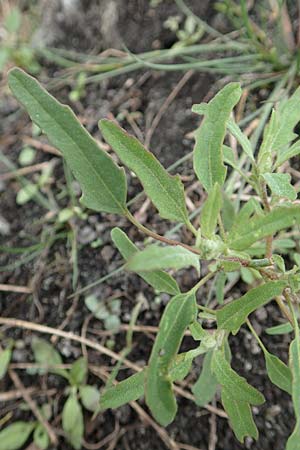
x=259 y=226
x=210 y=212
x=79 y=371
x=124 y=392
x=228 y=213
x=280 y=184
x=219 y=287
x=180 y=367
x=233 y=315
x=280 y=130
x=265 y=151
x=15 y=435
x=159 y=280
x=287 y=153
x=103 y=183
x=205 y=387
x=242 y=139
x=278 y=372
x=26 y=193
x=279 y=262
x=293 y=442
x=27 y=156
x=179 y=313
x=240 y=416
x=12 y=21
x=90 y=397
x=72 y=422
x=46 y=355
x=41 y=438
x=280 y=329
x=165 y=191
x=208 y=158
x=5 y=357
x=236 y=386
x=155 y=258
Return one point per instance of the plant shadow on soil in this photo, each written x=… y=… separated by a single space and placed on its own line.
x=140 y=94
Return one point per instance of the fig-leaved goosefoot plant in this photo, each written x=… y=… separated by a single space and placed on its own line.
x=243 y=244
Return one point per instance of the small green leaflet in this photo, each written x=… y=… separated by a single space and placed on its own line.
x=280 y=329
x=159 y=280
x=293 y=442
x=46 y=355
x=233 y=315
x=280 y=184
x=208 y=157
x=240 y=416
x=258 y=227
x=156 y=258
x=79 y=371
x=205 y=387
x=126 y=391
x=72 y=422
x=179 y=313
x=103 y=183
x=5 y=357
x=210 y=212
x=15 y=435
x=228 y=213
x=235 y=385
x=219 y=286
x=180 y=367
x=278 y=372
x=280 y=130
x=41 y=438
x=133 y=388
x=287 y=153
x=242 y=139
x=165 y=191
x=90 y=397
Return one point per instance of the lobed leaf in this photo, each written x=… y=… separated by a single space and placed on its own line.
x=210 y=212
x=240 y=416
x=208 y=158
x=205 y=387
x=158 y=279
x=236 y=386
x=260 y=226
x=280 y=184
x=15 y=435
x=233 y=315
x=103 y=183
x=179 y=313
x=72 y=422
x=165 y=191
x=156 y=258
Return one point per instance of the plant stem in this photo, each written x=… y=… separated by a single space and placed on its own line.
x=256 y=336
x=158 y=237
x=202 y=282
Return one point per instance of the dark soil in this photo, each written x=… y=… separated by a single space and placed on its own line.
x=140 y=96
